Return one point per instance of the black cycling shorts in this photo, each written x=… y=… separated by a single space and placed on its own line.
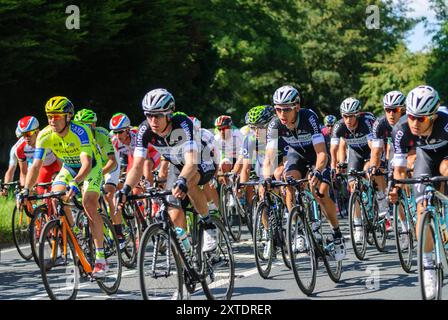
x=427 y=162
x=296 y=162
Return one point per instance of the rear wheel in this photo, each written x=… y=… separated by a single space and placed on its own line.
x=38 y=221
x=403 y=233
x=231 y=215
x=263 y=241
x=21 y=233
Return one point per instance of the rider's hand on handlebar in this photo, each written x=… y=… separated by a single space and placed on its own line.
x=180 y=188
x=393 y=195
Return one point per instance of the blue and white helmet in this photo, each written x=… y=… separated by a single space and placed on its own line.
x=393 y=99
x=350 y=105
x=158 y=100
x=286 y=95
x=422 y=101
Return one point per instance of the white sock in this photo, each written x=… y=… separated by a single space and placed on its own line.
x=404 y=226
x=212 y=206
x=427 y=259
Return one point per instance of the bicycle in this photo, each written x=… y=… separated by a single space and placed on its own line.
x=65 y=257
x=405 y=228
x=309 y=239
x=340 y=191
x=363 y=198
x=164 y=265
x=430 y=233
x=270 y=231
x=230 y=207
x=251 y=208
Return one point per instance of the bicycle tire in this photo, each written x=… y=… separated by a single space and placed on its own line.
x=361 y=251
x=298 y=226
x=405 y=258
x=221 y=256
x=40 y=218
x=427 y=219
x=52 y=234
x=151 y=237
x=263 y=270
x=21 y=234
x=379 y=229
x=231 y=216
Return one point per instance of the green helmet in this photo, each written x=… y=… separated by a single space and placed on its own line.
x=85 y=116
x=260 y=115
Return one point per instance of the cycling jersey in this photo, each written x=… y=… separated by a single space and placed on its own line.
x=175 y=145
x=127 y=151
x=25 y=152
x=254 y=149
x=357 y=140
x=229 y=148
x=78 y=141
x=12 y=156
x=381 y=132
x=245 y=131
x=101 y=136
x=403 y=139
x=306 y=134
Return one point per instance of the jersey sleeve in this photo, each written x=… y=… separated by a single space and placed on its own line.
x=41 y=145
x=400 y=146
x=272 y=136
x=12 y=157
x=377 y=141
x=20 y=152
x=337 y=133
x=316 y=133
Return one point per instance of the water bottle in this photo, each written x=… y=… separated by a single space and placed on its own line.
x=184 y=238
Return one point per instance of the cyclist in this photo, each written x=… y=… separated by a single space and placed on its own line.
x=12 y=164
x=354 y=131
x=110 y=166
x=173 y=137
x=28 y=127
x=125 y=140
x=74 y=144
x=327 y=130
x=393 y=103
x=426 y=128
x=298 y=129
x=229 y=142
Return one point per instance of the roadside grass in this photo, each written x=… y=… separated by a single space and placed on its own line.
x=6 y=208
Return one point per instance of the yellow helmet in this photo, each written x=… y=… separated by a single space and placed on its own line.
x=59 y=105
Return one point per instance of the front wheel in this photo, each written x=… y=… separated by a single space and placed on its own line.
x=21 y=234
x=263 y=241
x=430 y=276
x=404 y=237
x=358 y=225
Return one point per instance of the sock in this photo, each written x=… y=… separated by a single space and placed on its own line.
x=206 y=219
x=358 y=223
x=337 y=232
x=404 y=226
x=212 y=207
x=100 y=257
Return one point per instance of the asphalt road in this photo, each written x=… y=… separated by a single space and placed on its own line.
x=379 y=276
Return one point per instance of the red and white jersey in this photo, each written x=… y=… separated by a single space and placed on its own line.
x=25 y=152
x=129 y=149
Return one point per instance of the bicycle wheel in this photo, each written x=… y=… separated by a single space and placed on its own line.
x=159 y=267
x=111 y=282
x=58 y=262
x=379 y=228
x=403 y=232
x=263 y=241
x=129 y=252
x=231 y=215
x=427 y=239
x=333 y=267
x=249 y=212
x=219 y=266
x=360 y=246
x=282 y=222
x=38 y=221
x=21 y=233
x=301 y=249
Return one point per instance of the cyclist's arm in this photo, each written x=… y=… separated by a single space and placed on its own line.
x=147 y=170
x=238 y=165
x=376 y=156
x=33 y=173
x=342 y=152
x=334 y=147
x=23 y=165
x=163 y=169
x=268 y=164
x=86 y=167
x=321 y=156
x=9 y=175
x=111 y=164
x=190 y=167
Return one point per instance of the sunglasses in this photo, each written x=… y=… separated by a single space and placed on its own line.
x=350 y=115
x=29 y=133
x=419 y=119
x=157 y=115
x=393 y=110
x=57 y=116
x=119 y=131
x=284 y=109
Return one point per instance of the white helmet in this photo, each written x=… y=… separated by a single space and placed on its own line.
x=393 y=99
x=158 y=100
x=350 y=105
x=286 y=95
x=422 y=101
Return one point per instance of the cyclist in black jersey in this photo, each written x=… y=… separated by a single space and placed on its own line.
x=426 y=128
x=173 y=137
x=297 y=130
x=393 y=103
x=353 y=131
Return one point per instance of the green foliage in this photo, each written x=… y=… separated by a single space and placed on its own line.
x=398 y=70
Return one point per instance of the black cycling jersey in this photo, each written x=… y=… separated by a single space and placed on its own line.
x=356 y=140
x=173 y=147
x=403 y=139
x=382 y=132
x=306 y=134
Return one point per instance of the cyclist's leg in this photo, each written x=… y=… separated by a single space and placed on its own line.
x=110 y=186
x=60 y=183
x=328 y=205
